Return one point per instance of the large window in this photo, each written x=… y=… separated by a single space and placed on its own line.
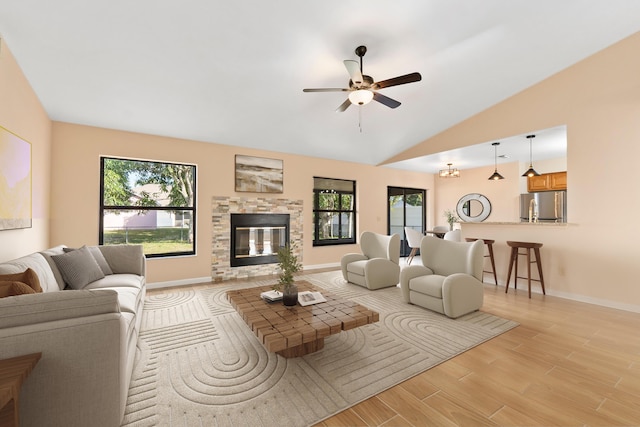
x=148 y=203
x=334 y=211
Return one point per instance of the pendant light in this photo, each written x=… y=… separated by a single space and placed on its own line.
x=531 y=171
x=449 y=173
x=496 y=176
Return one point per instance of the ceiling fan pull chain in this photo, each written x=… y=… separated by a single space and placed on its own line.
x=360 y=117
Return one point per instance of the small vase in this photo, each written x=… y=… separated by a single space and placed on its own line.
x=290 y=295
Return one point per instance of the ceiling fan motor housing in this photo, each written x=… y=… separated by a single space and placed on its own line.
x=367 y=82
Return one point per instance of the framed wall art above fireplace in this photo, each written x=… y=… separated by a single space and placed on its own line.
x=258 y=175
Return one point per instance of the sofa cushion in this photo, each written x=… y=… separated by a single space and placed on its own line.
x=10 y=289
x=97 y=255
x=128 y=298
x=118 y=280
x=27 y=277
x=429 y=285
x=38 y=264
x=78 y=267
x=125 y=258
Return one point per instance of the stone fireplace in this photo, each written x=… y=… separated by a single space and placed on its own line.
x=261 y=229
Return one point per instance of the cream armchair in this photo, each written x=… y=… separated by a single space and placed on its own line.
x=378 y=266
x=450 y=279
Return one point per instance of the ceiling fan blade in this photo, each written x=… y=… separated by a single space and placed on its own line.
x=343 y=106
x=327 y=89
x=407 y=78
x=391 y=103
x=354 y=71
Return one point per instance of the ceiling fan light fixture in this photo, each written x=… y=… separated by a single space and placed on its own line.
x=496 y=176
x=449 y=173
x=531 y=171
x=360 y=96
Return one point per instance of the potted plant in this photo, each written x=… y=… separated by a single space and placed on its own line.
x=451 y=218
x=288 y=264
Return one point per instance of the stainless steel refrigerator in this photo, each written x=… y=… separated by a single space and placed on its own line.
x=544 y=206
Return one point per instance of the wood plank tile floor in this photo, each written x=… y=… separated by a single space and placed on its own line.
x=567 y=364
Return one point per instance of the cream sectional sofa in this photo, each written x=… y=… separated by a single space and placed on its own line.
x=87 y=336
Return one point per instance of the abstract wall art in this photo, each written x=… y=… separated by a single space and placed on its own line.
x=15 y=181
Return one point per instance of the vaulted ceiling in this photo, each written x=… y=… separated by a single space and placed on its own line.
x=232 y=72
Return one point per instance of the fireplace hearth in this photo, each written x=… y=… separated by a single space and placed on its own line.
x=257 y=237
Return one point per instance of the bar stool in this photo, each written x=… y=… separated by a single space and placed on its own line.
x=513 y=263
x=489 y=243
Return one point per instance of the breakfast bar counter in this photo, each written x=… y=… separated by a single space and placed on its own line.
x=553 y=237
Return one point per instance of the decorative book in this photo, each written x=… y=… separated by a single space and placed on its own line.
x=308 y=298
x=271 y=296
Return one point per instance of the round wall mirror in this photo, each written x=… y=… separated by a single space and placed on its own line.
x=473 y=207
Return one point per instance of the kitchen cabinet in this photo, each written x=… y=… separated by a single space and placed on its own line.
x=558 y=181
x=554 y=181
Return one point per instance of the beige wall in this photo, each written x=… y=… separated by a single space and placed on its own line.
x=22 y=114
x=76 y=179
x=598 y=100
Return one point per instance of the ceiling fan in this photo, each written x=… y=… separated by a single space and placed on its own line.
x=363 y=89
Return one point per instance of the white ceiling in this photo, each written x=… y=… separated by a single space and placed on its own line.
x=232 y=72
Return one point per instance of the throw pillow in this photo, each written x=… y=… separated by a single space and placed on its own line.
x=78 y=268
x=97 y=255
x=12 y=288
x=28 y=277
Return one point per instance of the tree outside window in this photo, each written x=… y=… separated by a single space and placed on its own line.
x=148 y=203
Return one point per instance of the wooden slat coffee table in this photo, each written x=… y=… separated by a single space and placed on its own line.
x=296 y=331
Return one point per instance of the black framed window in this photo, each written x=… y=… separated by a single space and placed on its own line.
x=334 y=211
x=149 y=203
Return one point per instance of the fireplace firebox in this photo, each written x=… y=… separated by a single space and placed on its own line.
x=256 y=238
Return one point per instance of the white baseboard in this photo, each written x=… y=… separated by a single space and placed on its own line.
x=581 y=298
x=181 y=282
x=596 y=301
x=319 y=266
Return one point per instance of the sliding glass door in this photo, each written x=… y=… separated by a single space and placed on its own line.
x=406 y=208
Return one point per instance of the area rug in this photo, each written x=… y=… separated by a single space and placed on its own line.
x=198 y=364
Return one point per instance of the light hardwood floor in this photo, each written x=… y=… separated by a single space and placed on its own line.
x=567 y=364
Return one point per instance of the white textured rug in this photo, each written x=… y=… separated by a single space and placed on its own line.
x=200 y=365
